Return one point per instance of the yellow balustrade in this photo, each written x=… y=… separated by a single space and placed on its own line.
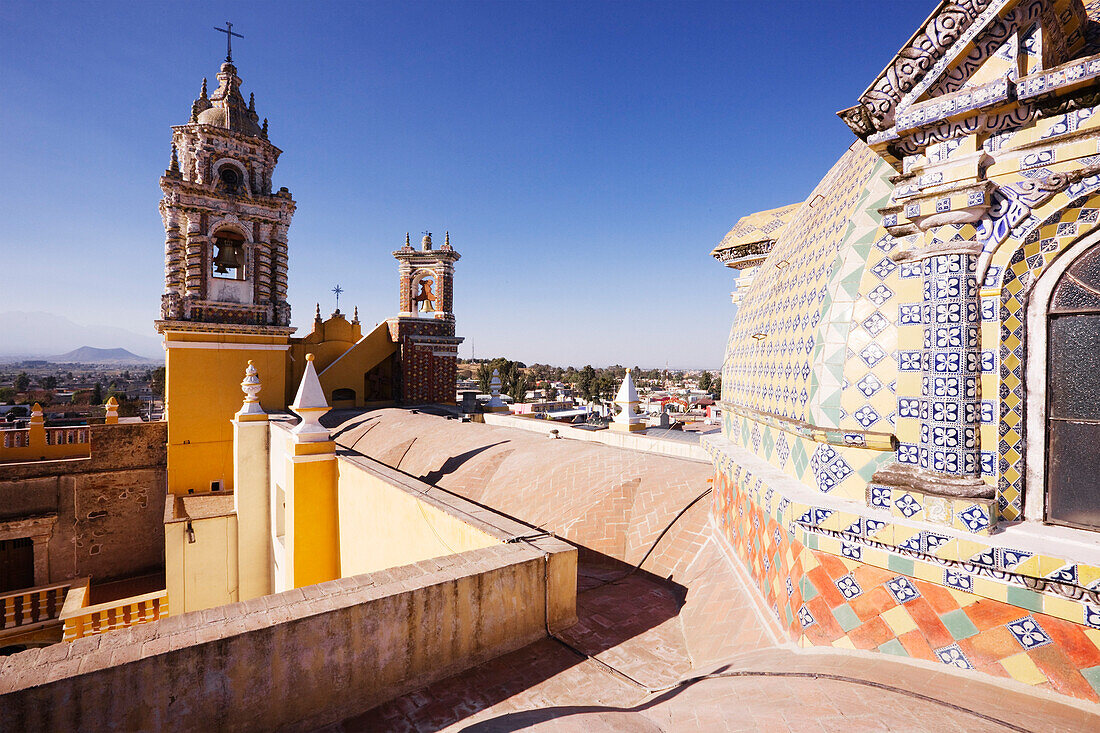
x=21 y=609
x=81 y=620
x=38 y=442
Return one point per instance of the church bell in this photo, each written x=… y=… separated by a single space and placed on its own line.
x=229 y=255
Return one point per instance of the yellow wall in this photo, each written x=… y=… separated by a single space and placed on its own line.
x=382 y=526
x=339 y=363
x=202 y=393
x=313 y=528
x=203 y=573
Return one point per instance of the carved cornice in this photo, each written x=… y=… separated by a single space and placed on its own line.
x=833 y=436
x=742 y=256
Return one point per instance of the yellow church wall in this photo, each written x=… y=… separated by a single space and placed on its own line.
x=348 y=369
x=340 y=363
x=313 y=536
x=202 y=573
x=200 y=435
x=384 y=526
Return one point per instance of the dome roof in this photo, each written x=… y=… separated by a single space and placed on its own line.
x=794 y=349
x=226 y=107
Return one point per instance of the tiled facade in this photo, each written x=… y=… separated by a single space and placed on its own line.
x=878 y=366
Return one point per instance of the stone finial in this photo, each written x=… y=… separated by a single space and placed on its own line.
x=446 y=240
x=628 y=418
x=252 y=102
x=202 y=94
x=251 y=385
x=174 y=167
x=110 y=417
x=496 y=404
x=310 y=405
x=317 y=313
x=264 y=130
x=408 y=245
x=36 y=413
x=426 y=242
x=355 y=316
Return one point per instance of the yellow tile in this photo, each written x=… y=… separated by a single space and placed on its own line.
x=969 y=548
x=927 y=571
x=962 y=597
x=1087 y=574
x=1063 y=608
x=1048 y=565
x=844 y=643
x=874 y=556
x=1093 y=635
x=948 y=550
x=990 y=589
x=898 y=619
x=1023 y=669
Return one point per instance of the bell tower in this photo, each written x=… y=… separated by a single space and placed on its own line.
x=424 y=330
x=225 y=278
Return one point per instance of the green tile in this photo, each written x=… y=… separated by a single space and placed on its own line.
x=846 y=617
x=806 y=587
x=1025 y=598
x=899 y=564
x=811 y=542
x=787 y=613
x=893 y=647
x=1092 y=674
x=958 y=623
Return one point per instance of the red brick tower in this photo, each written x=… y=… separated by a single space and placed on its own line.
x=424 y=330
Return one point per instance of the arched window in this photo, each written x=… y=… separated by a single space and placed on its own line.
x=1073 y=396
x=343 y=395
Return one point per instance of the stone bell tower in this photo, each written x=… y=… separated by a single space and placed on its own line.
x=424 y=330
x=225 y=278
x=226 y=232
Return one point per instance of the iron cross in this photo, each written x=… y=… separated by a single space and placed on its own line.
x=337 y=290
x=228 y=31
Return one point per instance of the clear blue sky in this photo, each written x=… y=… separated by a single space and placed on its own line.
x=585 y=156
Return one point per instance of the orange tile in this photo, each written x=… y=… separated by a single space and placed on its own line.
x=869 y=575
x=929 y=624
x=917 y=646
x=871 y=634
x=1071 y=639
x=990 y=646
x=825 y=587
x=985 y=614
x=825 y=622
x=993 y=668
x=938 y=596
x=872 y=603
x=1062 y=674
x=832 y=564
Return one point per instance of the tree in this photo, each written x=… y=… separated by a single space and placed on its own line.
x=48 y=382
x=22 y=382
x=586 y=381
x=484 y=376
x=518 y=385
x=705 y=382
x=7 y=394
x=718 y=385
x=156 y=382
x=551 y=392
x=97 y=394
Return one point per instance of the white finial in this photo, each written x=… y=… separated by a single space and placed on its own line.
x=310 y=405
x=250 y=385
x=495 y=403
x=627 y=399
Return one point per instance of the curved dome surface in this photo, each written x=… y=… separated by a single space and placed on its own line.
x=803 y=322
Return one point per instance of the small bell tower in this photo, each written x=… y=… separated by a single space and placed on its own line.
x=425 y=326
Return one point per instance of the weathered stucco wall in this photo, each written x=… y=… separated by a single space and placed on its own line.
x=109 y=507
x=299 y=659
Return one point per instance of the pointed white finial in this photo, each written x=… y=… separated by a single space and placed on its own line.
x=628 y=418
x=310 y=405
x=250 y=385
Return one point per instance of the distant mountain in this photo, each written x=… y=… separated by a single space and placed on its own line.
x=37 y=334
x=92 y=355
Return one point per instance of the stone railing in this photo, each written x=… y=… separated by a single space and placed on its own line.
x=67 y=436
x=23 y=609
x=82 y=620
x=15 y=438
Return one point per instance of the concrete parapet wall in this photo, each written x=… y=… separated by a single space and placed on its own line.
x=300 y=659
x=631 y=441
